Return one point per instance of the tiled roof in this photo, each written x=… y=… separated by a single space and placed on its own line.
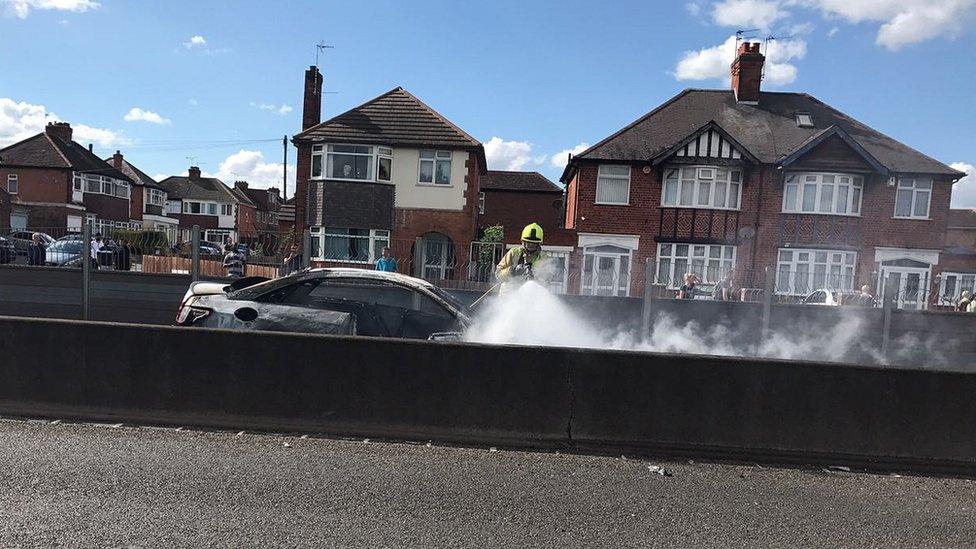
x=204 y=188
x=137 y=176
x=394 y=118
x=518 y=181
x=49 y=151
x=962 y=219
x=242 y=196
x=768 y=130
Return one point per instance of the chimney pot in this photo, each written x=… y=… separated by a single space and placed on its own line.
x=194 y=173
x=61 y=130
x=91 y=147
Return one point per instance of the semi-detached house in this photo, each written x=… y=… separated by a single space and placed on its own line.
x=203 y=201
x=391 y=171
x=147 y=201
x=744 y=179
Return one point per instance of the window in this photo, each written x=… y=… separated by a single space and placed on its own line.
x=804 y=120
x=348 y=245
x=79 y=181
x=912 y=198
x=211 y=208
x=200 y=208
x=384 y=164
x=613 y=185
x=823 y=193
x=216 y=236
x=435 y=167
x=702 y=187
x=108 y=186
x=122 y=189
x=173 y=207
x=606 y=270
x=226 y=209
x=317 y=160
x=155 y=197
x=802 y=271
x=13 y=184
x=709 y=262
x=481 y=202
x=954 y=284
x=352 y=162
x=93 y=183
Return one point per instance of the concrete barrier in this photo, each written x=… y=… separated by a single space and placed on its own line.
x=538 y=397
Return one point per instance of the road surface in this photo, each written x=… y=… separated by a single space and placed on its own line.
x=78 y=485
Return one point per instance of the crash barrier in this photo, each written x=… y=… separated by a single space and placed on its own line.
x=538 y=397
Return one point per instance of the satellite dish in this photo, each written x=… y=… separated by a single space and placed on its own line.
x=747 y=232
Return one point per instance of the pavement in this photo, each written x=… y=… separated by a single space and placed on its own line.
x=82 y=485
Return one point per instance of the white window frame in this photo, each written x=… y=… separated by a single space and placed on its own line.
x=174 y=207
x=206 y=207
x=101 y=184
x=911 y=184
x=13 y=183
x=593 y=253
x=78 y=181
x=697 y=176
x=122 y=189
x=226 y=209
x=789 y=261
x=324 y=153
x=384 y=153
x=435 y=159
x=321 y=234
x=155 y=197
x=604 y=172
x=709 y=261
x=218 y=236
x=797 y=181
x=961 y=281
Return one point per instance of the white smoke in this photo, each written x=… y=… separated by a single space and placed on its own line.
x=530 y=315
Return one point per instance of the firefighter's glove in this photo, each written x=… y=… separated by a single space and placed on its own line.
x=519 y=270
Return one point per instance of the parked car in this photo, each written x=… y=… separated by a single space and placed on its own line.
x=22 y=239
x=8 y=253
x=328 y=301
x=830 y=297
x=64 y=253
x=207 y=249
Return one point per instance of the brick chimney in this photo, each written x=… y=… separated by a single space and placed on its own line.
x=747 y=72
x=312 y=106
x=61 y=130
x=117 y=160
x=240 y=185
x=194 y=173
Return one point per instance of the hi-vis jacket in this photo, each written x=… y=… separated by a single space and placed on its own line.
x=517 y=256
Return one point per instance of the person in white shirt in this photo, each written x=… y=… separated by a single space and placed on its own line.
x=95 y=246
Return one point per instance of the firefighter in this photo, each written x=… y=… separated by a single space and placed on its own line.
x=522 y=263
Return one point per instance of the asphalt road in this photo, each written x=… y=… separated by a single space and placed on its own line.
x=67 y=485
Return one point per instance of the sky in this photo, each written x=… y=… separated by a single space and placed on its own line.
x=218 y=84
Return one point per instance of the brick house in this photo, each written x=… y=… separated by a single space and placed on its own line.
x=247 y=227
x=203 y=201
x=391 y=171
x=514 y=199
x=719 y=179
x=147 y=201
x=56 y=183
x=286 y=218
x=267 y=205
x=959 y=263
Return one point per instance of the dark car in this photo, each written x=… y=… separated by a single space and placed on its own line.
x=330 y=301
x=207 y=249
x=8 y=253
x=22 y=239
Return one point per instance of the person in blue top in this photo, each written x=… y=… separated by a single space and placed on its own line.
x=387 y=262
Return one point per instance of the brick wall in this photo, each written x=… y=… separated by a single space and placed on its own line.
x=137 y=200
x=303 y=167
x=40 y=184
x=514 y=210
x=4 y=209
x=246 y=220
x=107 y=207
x=187 y=221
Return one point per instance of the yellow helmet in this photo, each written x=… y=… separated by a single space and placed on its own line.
x=532 y=233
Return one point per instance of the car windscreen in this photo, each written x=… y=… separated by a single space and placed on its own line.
x=66 y=246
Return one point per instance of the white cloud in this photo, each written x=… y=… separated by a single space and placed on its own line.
x=196 y=41
x=193 y=102
x=713 y=62
x=20 y=120
x=136 y=114
x=271 y=107
x=22 y=8
x=693 y=9
x=250 y=166
x=559 y=159
x=964 y=191
x=801 y=28
x=511 y=155
x=746 y=14
x=832 y=32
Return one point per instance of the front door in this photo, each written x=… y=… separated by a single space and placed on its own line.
x=606 y=270
x=909 y=282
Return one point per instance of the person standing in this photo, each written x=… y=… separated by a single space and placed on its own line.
x=233 y=262
x=964 y=300
x=387 y=262
x=292 y=262
x=687 y=291
x=522 y=263
x=96 y=245
x=35 y=250
x=723 y=289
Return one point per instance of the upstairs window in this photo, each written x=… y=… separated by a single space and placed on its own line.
x=481 y=202
x=435 y=167
x=384 y=164
x=155 y=197
x=823 y=193
x=173 y=206
x=13 y=184
x=352 y=162
x=226 y=209
x=121 y=189
x=613 y=185
x=79 y=181
x=702 y=187
x=912 y=198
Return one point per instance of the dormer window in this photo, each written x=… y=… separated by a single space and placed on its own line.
x=804 y=120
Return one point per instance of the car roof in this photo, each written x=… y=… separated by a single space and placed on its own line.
x=372 y=275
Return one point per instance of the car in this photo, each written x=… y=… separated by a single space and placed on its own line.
x=8 y=253
x=22 y=239
x=64 y=253
x=832 y=297
x=328 y=301
x=207 y=249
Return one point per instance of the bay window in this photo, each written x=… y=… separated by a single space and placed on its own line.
x=613 y=185
x=801 y=271
x=912 y=198
x=823 y=193
x=709 y=262
x=435 y=167
x=352 y=162
x=348 y=245
x=122 y=189
x=155 y=197
x=702 y=187
x=954 y=284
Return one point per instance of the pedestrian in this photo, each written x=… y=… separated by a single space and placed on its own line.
x=35 y=250
x=866 y=297
x=387 y=262
x=233 y=262
x=292 y=262
x=723 y=290
x=965 y=298
x=687 y=291
x=96 y=245
x=972 y=306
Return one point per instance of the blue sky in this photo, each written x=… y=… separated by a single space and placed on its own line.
x=532 y=80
